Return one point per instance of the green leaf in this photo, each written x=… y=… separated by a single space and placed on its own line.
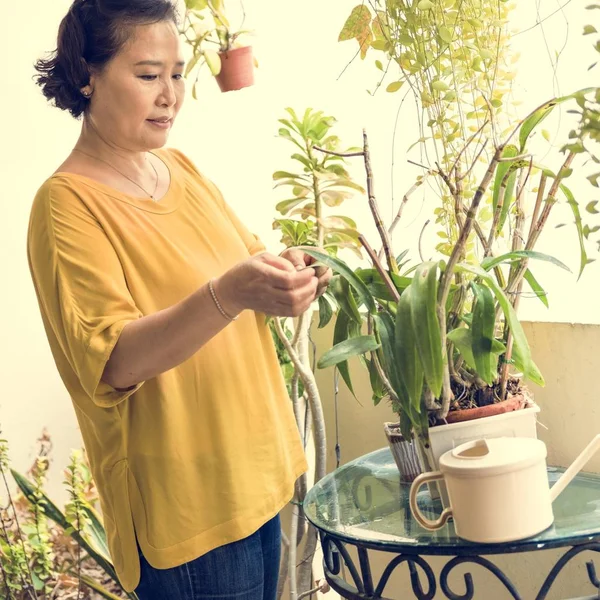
x=347 y=349
x=538 y=115
x=425 y=5
x=407 y=352
x=325 y=312
x=501 y=171
x=583 y=260
x=385 y=330
x=285 y=206
x=482 y=332
x=340 y=289
x=285 y=175
x=98 y=588
x=587 y=29
x=489 y=263
x=50 y=510
x=193 y=62
x=356 y=24
x=537 y=289
x=426 y=325
x=97 y=530
x=335 y=264
x=342 y=332
x=377 y=386
x=463 y=340
x=532 y=373
x=519 y=338
x=591 y=207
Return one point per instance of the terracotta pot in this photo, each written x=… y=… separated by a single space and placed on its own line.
x=404 y=452
x=237 y=69
x=514 y=403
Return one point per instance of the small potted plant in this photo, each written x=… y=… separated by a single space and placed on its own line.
x=443 y=336
x=207 y=30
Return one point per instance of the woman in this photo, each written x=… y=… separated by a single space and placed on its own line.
x=153 y=295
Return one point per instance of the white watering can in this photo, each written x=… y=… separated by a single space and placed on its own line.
x=498 y=488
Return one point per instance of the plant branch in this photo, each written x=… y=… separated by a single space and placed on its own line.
x=517 y=243
x=446 y=279
x=377 y=264
x=537 y=227
x=538 y=202
x=341 y=154
x=469 y=141
x=405 y=198
x=383 y=234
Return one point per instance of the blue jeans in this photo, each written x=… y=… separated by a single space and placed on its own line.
x=243 y=570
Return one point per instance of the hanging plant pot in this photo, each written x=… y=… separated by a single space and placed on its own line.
x=404 y=453
x=237 y=69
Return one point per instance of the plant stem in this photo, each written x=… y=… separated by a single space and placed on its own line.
x=383 y=234
x=292 y=553
x=538 y=202
x=446 y=280
x=285 y=564
x=318 y=420
x=404 y=201
x=342 y=154
x=26 y=586
x=377 y=264
x=537 y=227
x=517 y=243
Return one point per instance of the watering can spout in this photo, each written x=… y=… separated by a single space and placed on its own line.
x=574 y=468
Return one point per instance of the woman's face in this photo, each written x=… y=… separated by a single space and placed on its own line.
x=138 y=94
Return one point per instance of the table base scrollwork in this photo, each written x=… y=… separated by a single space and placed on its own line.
x=423 y=580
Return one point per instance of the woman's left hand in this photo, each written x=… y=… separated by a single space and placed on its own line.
x=301 y=260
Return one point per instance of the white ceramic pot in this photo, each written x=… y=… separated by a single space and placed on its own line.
x=498 y=489
x=518 y=423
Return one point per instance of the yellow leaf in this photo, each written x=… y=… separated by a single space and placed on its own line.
x=546 y=134
x=394 y=86
x=445 y=34
x=440 y=86
x=213 y=60
x=356 y=24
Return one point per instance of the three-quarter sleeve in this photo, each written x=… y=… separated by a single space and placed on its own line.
x=81 y=288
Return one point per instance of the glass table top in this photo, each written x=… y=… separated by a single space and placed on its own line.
x=364 y=503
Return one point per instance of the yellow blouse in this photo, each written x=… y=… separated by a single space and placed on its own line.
x=203 y=454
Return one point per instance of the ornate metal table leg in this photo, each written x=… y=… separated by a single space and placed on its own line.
x=562 y=562
x=334 y=552
x=470 y=589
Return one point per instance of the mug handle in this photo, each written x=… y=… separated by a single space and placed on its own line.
x=417 y=514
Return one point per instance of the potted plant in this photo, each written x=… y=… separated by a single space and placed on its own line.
x=44 y=549
x=207 y=30
x=315 y=184
x=443 y=336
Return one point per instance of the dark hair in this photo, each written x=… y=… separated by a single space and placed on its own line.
x=89 y=36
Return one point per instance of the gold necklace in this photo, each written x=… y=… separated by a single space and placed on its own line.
x=123 y=174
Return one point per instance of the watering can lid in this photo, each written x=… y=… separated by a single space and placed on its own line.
x=484 y=457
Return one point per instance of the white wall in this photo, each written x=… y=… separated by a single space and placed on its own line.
x=232 y=138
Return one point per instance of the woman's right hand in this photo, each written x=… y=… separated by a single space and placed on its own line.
x=268 y=284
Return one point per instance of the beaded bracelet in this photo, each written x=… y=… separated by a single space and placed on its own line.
x=214 y=297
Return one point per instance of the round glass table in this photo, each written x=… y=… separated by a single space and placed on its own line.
x=364 y=504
